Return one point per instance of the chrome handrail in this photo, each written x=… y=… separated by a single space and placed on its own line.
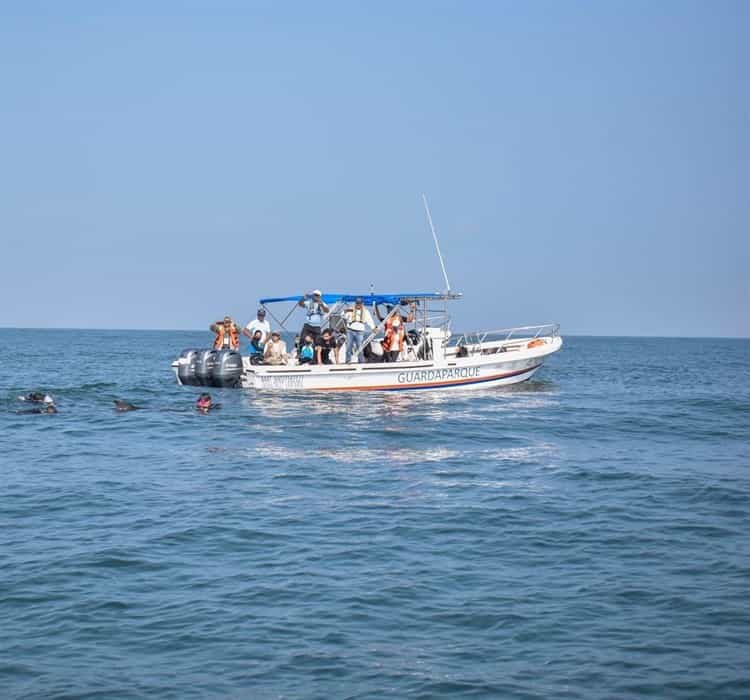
x=551 y=330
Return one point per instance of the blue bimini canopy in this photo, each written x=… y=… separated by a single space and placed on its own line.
x=391 y=299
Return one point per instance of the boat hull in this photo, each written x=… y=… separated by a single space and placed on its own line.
x=476 y=372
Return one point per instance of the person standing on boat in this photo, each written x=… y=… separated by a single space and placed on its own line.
x=227 y=334
x=316 y=309
x=357 y=319
x=394 y=331
x=258 y=324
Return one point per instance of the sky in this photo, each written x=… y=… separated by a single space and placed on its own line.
x=163 y=164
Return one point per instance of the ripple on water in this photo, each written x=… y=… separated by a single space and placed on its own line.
x=583 y=535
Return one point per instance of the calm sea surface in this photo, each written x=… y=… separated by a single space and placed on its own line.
x=583 y=535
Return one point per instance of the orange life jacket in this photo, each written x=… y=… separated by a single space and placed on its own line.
x=394 y=334
x=234 y=338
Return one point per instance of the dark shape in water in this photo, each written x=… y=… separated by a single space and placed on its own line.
x=123 y=406
x=47 y=408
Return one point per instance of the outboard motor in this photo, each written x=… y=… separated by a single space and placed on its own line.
x=186 y=367
x=227 y=372
x=204 y=367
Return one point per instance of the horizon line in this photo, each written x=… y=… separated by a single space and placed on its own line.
x=201 y=330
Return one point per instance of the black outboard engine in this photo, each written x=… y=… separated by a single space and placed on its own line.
x=227 y=372
x=186 y=367
x=204 y=367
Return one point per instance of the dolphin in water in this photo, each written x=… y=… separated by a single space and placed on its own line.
x=123 y=406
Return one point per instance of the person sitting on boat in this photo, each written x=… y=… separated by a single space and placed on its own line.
x=227 y=334
x=394 y=331
x=275 y=350
x=307 y=351
x=324 y=347
x=316 y=309
x=258 y=324
x=357 y=318
x=256 y=348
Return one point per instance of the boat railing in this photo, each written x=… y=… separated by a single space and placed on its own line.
x=474 y=340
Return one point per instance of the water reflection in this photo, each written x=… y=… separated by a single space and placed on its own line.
x=431 y=405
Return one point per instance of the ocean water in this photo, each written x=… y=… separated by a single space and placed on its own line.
x=582 y=535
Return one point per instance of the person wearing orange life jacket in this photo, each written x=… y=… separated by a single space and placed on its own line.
x=227 y=334
x=394 y=332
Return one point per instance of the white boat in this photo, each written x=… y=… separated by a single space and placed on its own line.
x=433 y=358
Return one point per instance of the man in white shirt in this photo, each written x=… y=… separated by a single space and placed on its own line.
x=356 y=320
x=258 y=324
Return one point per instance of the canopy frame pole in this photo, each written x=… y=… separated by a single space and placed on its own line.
x=331 y=309
x=281 y=323
x=286 y=318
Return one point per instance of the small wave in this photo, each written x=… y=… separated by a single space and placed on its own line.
x=358 y=455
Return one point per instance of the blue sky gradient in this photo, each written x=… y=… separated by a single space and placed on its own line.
x=167 y=163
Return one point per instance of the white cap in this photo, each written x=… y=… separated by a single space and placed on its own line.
x=317 y=291
x=48 y=399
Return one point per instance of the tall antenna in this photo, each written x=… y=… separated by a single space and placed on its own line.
x=437 y=245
